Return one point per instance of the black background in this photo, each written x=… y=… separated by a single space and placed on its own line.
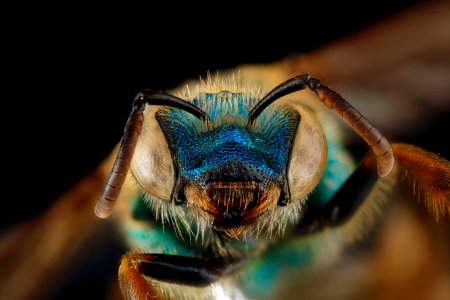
x=75 y=71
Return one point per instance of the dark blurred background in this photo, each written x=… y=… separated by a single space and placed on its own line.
x=75 y=71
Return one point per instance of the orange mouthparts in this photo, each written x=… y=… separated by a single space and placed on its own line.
x=233 y=205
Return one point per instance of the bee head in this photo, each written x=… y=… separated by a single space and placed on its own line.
x=235 y=156
x=235 y=172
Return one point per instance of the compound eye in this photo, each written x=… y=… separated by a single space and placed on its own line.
x=308 y=155
x=152 y=164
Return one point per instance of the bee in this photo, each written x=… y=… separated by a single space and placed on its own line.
x=229 y=184
x=252 y=184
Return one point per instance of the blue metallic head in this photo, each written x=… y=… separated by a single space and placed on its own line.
x=232 y=171
x=229 y=152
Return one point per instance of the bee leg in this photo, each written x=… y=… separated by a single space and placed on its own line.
x=345 y=202
x=132 y=283
x=137 y=270
x=429 y=175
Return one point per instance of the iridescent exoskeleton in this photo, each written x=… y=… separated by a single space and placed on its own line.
x=229 y=188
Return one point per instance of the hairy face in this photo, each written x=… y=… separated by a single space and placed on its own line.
x=225 y=175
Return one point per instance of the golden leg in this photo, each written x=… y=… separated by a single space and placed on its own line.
x=132 y=283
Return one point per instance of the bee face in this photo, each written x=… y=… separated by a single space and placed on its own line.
x=233 y=173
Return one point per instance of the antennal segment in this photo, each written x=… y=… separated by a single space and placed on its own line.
x=380 y=146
